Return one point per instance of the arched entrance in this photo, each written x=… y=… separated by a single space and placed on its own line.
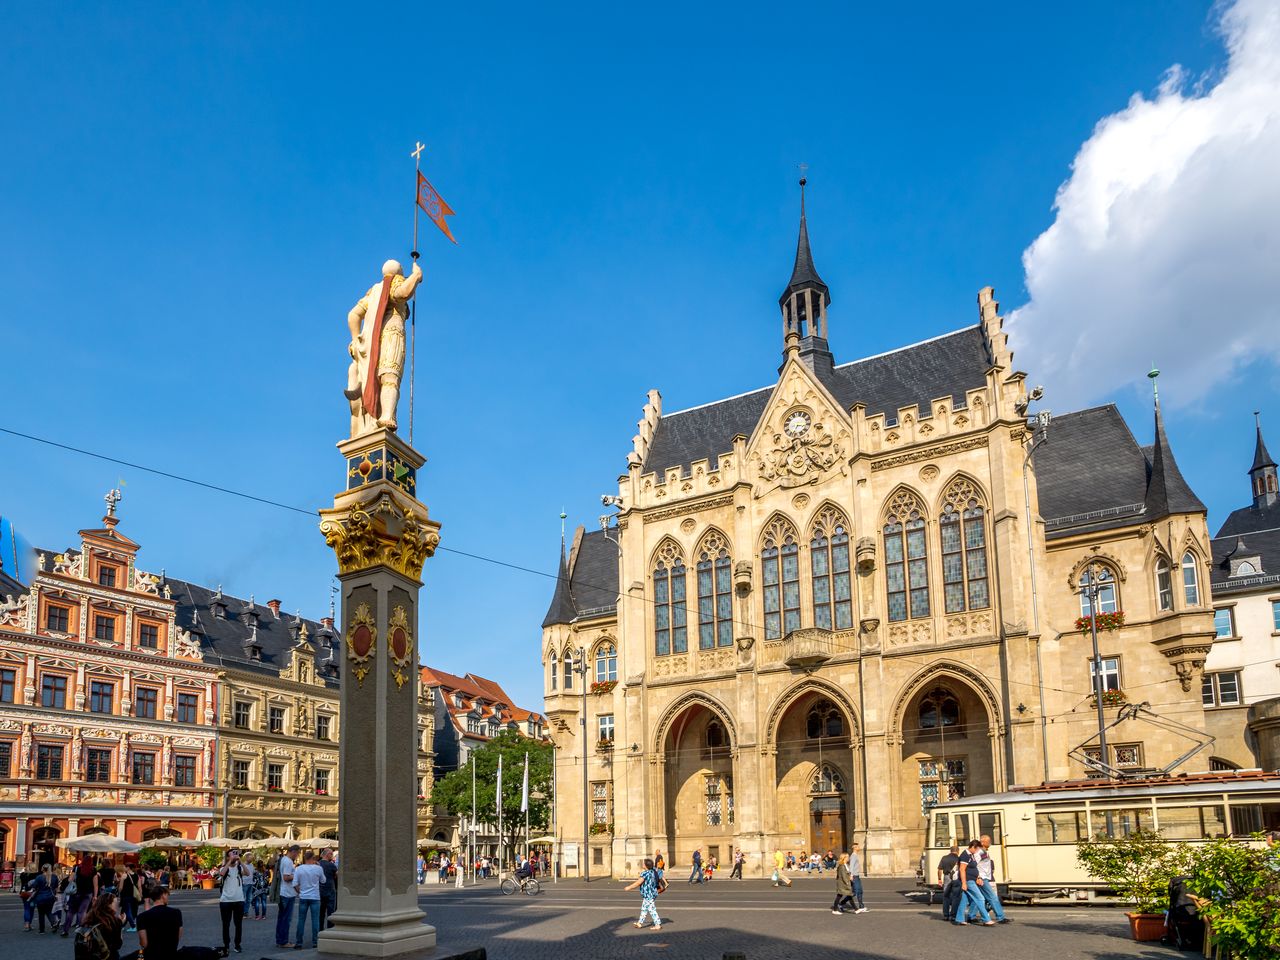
x=813 y=773
x=949 y=747
x=697 y=750
x=44 y=845
x=159 y=833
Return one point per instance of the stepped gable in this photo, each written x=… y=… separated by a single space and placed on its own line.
x=945 y=366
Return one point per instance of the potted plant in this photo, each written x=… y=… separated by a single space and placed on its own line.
x=209 y=859
x=1138 y=868
x=1106 y=621
x=152 y=859
x=1237 y=889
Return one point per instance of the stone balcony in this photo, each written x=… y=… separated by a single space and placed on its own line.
x=808 y=648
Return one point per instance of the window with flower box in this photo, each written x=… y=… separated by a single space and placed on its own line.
x=275 y=776
x=322 y=781
x=241 y=714
x=604 y=728
x=1110 y=674
x=240 y=774
x=600 y=812
x=606 y=663
x=1108 y=596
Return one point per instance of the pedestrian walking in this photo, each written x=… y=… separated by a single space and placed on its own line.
x=234 y=874
x=780 y=864
x=947 y=880
x=736 y=872
x=855 y=877
x=647 y=883
x=968 y=878
x=844 y=885
x=258 y=891
x=987 y=880
x=288 y=894
x=695 y=876
x=328 y=889
x=309 y=876
x=43 y=893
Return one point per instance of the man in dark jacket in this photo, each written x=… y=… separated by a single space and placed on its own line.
x=696 y=875
x=328 y=888
x=950 y=888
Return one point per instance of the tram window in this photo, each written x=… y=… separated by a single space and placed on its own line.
x=1062 y=826
x=989 y=826
x=1192 y=823
x=963 y=836
x=1247 y=818
x=941 y=830
x=1121 y=822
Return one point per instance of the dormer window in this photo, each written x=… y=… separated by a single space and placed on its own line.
x=1245 y=569
x=107 y=575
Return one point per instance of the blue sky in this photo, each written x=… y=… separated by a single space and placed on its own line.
x=195 y=195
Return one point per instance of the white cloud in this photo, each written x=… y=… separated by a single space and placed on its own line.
x=1166 y=241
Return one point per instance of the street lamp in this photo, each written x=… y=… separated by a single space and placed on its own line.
x=580 y=668
x=1092 y=585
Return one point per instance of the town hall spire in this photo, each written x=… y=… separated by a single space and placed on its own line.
x=804 y=304
x=1262 y=475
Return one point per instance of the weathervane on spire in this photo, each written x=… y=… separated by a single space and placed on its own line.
x=1154 y=375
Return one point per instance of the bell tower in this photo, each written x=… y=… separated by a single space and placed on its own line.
x=1262 y=475
x=804 y=305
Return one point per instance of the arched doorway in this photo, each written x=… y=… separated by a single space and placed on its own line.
x=159 y=833
x=330 y=834
x=813 y=774
x=44 y=845
x=948 y=748
x=698 y=786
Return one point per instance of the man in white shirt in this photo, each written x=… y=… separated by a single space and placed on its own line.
x=987 y=880
x=288 y=894
x=308 y=875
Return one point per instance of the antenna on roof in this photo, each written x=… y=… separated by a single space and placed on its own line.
x=1154 y=375
x=563 y=517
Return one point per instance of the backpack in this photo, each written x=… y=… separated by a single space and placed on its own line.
x=90 y=944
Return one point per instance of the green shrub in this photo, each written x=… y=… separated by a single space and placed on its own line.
x=1240 y=889
x=209 y=857
x=153 y=859
x=1137 y=867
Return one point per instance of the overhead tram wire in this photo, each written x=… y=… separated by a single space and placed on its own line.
x=462 y=553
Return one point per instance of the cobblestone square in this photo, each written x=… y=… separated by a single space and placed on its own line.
x=580 y=920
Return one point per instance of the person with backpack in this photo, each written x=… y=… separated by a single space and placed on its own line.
x=947 y=880
x=43 y=892
x=234 y=874
x=99 y=937
x=647 y=882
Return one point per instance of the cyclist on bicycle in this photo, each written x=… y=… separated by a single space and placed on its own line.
x=524 y=871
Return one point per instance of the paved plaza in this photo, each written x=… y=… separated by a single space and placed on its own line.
x=579 y=920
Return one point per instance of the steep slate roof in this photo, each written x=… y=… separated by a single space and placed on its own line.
x=589 y=584
x=222 y=640
x=1259 y=528
x=473 y=688
x=804 y=273
x=1167 y=491
x=1261 y=456
x=945 y=366
x=9 y=586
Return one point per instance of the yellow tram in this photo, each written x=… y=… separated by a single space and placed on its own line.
x=1034 y=830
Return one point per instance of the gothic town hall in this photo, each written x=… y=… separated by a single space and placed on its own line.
x=834 y=601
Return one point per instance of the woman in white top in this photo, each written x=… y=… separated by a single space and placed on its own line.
x=234 y=874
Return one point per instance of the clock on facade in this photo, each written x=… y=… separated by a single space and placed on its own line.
x=797 y=424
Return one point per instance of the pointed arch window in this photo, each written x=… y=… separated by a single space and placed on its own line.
x=780 y=560
x=939 y=708
x=1164 y=584
x=962 y=530
x=824 y=720
x=606 y=663
x=829 y=564
x=827 y=779
x=1108 y=597
x=906 y=558
x=555 y=666
x=670 y=629
x=568 y=670
x=715 y=601
x=1190 y=579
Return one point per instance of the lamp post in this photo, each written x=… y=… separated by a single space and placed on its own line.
x=580 y=668
x=1092 y=587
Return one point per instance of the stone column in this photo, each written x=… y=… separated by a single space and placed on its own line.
x=381 y=535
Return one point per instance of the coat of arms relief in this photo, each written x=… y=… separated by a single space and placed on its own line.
x=801 y=442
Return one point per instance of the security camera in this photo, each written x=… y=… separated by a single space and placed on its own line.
x=609 y=501
x=1037 y=393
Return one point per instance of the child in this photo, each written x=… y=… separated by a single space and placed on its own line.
x=648 y=884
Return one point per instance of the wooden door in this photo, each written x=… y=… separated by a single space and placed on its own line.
x=826 y=824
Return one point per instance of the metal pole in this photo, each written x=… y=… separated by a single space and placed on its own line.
x=1097 y=664
x=413 y=304
x=471 y=843
x=585 y=869
x=555 y=822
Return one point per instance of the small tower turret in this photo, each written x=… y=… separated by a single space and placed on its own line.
x=1262 y=475
x=804 y=304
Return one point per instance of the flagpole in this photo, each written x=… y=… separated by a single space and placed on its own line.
x=413 y=304
x=472 y=842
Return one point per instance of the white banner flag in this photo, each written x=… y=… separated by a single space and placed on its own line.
x=524 y=791
x=498 y=794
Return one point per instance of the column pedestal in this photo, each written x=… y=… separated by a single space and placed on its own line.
x=381 y=535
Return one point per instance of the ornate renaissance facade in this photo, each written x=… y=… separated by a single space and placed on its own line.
x=106 y=705
x=830 y=603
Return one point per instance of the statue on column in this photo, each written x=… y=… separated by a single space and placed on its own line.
x=377 y=348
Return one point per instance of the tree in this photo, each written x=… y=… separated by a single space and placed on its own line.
x=453 y=790
x=1238 y=886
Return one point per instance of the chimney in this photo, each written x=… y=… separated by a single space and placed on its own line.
x=275 y=608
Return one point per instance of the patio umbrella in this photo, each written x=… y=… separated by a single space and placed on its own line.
x=169 y=843
x=227 y=843
x=97 y=843
x=543 y=840
x=318 y=843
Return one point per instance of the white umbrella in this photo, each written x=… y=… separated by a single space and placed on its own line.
x=97 y=843
x=543 y=840
x=169 y=843
x=318 y=843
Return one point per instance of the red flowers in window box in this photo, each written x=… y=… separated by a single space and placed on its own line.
x=603 y=686
x=1112 y=698
x=271 y=789
x=1106 y=621
x=322 y=793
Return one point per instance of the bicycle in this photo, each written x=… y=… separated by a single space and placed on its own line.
x=526 y=885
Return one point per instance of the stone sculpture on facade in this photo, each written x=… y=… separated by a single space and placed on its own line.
x=377 y=348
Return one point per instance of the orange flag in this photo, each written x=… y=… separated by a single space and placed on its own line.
x=433 y=205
